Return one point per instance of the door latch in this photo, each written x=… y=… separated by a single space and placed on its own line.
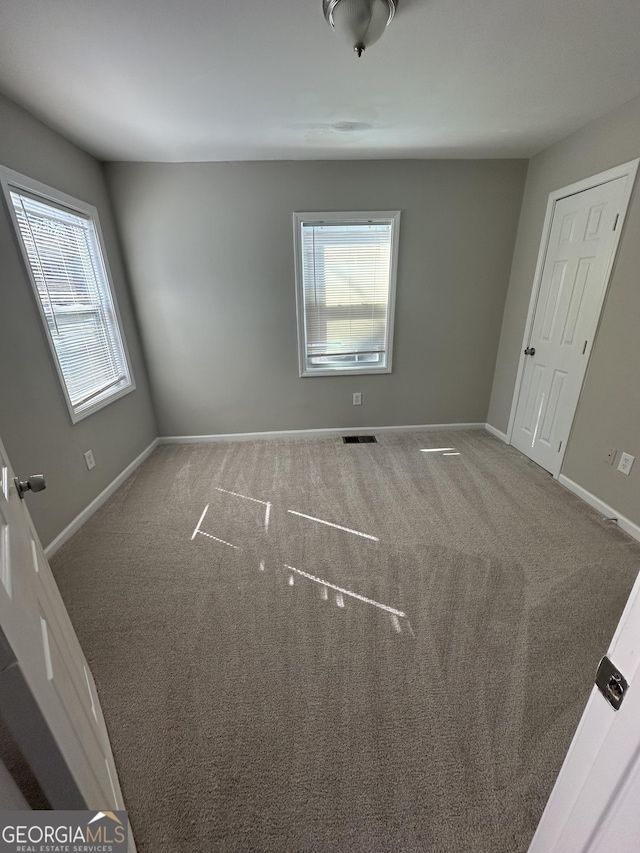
x=611 y=683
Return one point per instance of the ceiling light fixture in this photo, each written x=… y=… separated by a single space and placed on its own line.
x=360 y=22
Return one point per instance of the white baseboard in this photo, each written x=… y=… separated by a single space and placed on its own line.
x=501 y=435
x=609 y=512
x=97 y=502
x=310 y=433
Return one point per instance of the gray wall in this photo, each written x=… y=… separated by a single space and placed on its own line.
x=210 y=253
x=608 y=414
x=34 y=421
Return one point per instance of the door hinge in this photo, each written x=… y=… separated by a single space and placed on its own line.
x=559 y=447
x=611 y=683
x=584 y=348
x=616 y=221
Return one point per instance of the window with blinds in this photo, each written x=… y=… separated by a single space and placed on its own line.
x=345 y=276
x=62 y=249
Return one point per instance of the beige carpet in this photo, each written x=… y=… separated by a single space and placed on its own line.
x=273 y=683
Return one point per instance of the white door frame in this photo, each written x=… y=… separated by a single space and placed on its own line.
x=623 y=170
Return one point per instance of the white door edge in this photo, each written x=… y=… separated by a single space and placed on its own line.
x=583 y=754
x=623 y=170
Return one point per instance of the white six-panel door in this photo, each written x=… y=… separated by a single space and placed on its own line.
x=581 y=243
x=47 y=693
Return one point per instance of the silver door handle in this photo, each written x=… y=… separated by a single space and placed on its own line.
x=530 y=351
x=35 y=483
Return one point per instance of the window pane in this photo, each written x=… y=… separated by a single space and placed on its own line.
x=68 y=271
x=346 y=277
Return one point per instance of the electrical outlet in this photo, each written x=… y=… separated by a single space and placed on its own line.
x=610 y=455
x=88 y=458
x=625 y=463
x=357 y=398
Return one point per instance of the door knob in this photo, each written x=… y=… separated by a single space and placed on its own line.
x=35 y=483
x=530 y=351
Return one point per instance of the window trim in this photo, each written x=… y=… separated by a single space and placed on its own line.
x=12 y=180
x=344 y=216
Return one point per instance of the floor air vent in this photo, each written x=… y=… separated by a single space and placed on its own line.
x=359 y=439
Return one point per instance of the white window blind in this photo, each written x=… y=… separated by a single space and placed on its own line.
x=346 y=267
x=68 y=272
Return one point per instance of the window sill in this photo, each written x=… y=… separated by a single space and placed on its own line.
x=100 y=403
x=345 y=371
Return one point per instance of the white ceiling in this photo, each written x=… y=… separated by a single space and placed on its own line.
x=189 y=80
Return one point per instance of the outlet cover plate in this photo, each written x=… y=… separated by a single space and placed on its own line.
x=357 y=398
x=88 y=458
x=610 y=455
x=625 y=463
